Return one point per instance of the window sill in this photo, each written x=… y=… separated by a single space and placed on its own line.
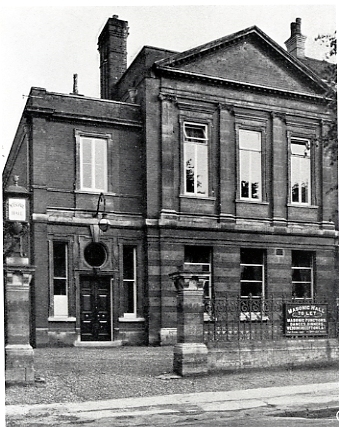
x=301 y=205
x=96 y=192
x=194 y=196
x=61 y=319
x=254 y=202
x=131 y=319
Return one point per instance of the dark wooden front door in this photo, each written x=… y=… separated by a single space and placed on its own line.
x=95 y=309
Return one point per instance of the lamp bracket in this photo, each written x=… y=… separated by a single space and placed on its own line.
x=102 y=199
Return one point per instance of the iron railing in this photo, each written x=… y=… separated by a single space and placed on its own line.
x=234 y=318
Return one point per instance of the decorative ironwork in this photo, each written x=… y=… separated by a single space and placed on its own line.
x=233 y=318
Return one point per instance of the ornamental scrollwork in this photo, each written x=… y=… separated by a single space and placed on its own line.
x=278 y=115
x=168 y=97
x=227 y=107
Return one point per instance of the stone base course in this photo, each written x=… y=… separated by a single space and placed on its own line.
x=270 y=354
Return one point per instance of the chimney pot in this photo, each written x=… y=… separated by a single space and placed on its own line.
x=293 y=29
x=298 y=25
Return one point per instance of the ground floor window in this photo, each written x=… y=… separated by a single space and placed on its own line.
x=302 y=274
x=60 y=279
x=252 y=273
x=198 y=258
x=129 y=281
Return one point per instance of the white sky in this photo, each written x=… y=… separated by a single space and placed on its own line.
x=44 y=46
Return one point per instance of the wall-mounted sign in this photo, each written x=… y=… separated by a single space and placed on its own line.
x=305 y=319
x=16 y=209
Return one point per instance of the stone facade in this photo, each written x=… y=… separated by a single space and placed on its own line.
x=243 y=82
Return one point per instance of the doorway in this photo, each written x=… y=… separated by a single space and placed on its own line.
x=95 y=308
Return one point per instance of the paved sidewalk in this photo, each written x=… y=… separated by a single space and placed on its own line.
x=271 y=398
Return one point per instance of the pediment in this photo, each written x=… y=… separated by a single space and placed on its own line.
x=252 y=59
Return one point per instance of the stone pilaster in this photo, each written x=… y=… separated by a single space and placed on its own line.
x=190 y=352
x=279 y=171
x=329 y=178
x=227 y=165
x=167 y=161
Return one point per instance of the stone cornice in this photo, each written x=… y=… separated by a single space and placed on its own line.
x=52 y=114
x=247 y=86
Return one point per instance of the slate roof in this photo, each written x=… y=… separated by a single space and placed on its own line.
x=320 y=67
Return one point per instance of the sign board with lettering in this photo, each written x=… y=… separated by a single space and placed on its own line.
x=306 y=319
x=16 y=209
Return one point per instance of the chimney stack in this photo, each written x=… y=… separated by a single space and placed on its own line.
x=75 y=84
x=112 y=46
x=295 y=45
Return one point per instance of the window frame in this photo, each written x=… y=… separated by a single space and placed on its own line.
x=195 y=142
x=310 y=268
x=263 y=273
x=108 y=154
x=202 y=273
x=303 y=141
x=254 y=316
x=53 y=296
x=240 y=167
x=130 y=315
x=93 y=166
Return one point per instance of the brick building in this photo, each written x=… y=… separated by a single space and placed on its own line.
x=211 y=159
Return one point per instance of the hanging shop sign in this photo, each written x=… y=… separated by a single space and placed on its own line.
x=306 y=319
x=16 y=209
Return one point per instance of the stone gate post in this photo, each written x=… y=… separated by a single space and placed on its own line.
x=190 y=352
x=19 y=355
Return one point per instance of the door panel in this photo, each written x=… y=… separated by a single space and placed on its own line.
x=95 y=306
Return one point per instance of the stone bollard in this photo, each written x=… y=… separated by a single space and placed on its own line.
x=190 y=352
x=19 y=355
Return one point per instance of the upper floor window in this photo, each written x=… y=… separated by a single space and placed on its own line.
x=300 y=171
x=195 y=159
x=302 y=274
x=93 y=164
x=250 y=164
x=60 y=279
